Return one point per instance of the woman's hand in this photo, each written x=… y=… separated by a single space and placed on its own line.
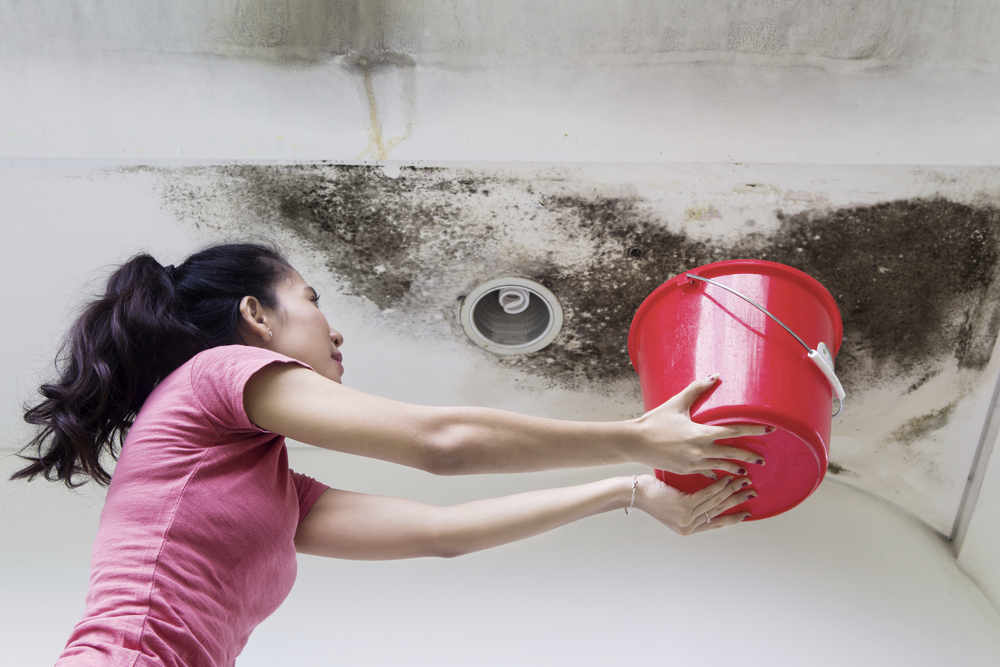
x=686 y=513
x=670 y=441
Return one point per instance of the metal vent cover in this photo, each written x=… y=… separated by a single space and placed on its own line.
x=511 y=315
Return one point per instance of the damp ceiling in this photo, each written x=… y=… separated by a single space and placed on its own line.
x=911 y=254
x=914 y=265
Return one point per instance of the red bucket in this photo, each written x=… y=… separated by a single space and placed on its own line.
x=690 y=328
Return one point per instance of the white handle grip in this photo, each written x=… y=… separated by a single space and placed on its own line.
x=838 y=389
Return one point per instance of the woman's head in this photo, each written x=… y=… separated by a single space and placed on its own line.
x=294 y=326
x=210 y=286
x=150 y=320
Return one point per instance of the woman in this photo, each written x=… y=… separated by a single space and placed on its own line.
x=207 y=367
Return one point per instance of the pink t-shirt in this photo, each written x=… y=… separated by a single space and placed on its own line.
x=195 y=545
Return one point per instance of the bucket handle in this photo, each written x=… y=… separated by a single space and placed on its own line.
x=822 y=358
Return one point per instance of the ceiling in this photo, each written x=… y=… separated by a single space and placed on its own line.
x=434 y=157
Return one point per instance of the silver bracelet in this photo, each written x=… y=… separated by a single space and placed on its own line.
x=635 y=482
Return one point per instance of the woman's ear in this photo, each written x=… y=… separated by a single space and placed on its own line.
x=253 y=321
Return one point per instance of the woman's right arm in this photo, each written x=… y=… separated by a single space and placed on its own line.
x=301 y=404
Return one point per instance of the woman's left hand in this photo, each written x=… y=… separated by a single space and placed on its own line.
x=688 y=513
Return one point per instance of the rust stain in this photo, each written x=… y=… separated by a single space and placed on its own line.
x=378 y=147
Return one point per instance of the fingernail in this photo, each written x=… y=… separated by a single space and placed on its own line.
x=759 y=462
x=712 y=378
x=744 y=485
x=712 y=476
x=769 y=429
x=746 y=517
x=741 y=471
x=751 y=496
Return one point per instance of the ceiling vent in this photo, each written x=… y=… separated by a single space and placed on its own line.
x=511 y=316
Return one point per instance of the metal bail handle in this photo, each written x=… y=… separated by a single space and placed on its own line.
x=821 y=357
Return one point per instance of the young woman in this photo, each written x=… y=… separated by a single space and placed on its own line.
x=207 y=367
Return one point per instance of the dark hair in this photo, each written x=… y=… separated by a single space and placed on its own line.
x=150 y=320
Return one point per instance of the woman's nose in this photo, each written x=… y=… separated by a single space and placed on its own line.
x=336 y=337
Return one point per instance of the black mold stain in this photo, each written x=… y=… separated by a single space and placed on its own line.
x=922 y=380
x=911 y=278
x=915 y=279
x=364 y=222
x=918 y=428
x=837 y=469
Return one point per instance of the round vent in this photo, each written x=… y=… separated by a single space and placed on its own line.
x=511 y=315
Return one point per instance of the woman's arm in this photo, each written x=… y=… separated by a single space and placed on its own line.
x=356 y=526
x=301 y=404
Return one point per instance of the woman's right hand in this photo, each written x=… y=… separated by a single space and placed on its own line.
x=670 y=440
x=688 y=513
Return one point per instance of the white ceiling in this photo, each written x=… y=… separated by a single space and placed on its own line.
x=652 y=111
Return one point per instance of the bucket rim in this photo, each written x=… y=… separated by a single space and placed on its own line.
x=723 y=268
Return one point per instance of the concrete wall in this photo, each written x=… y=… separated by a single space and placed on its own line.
x=486 y=31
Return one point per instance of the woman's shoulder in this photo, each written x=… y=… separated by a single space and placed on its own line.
x=235 y=354
x=214 y=381
x=232 y=364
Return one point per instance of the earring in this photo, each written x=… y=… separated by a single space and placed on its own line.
x=270 y=333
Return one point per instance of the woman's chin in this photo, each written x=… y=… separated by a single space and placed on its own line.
x=335 y=372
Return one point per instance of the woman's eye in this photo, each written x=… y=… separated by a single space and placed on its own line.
x=315 y=299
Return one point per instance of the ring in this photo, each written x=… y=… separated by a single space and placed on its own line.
x=708 y=519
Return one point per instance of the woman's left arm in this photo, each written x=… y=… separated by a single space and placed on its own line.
x=356 y=526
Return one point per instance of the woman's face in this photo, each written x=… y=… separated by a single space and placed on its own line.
x=300 y=329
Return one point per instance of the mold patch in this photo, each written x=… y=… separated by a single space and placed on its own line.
x=916 y=279
x=920 y=428
x=364 y=223
x=837 y=469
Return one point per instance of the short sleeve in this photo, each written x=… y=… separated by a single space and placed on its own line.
x=218 y=377
x=309 y=491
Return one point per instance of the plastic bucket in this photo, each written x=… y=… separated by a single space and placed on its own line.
x=688 y=329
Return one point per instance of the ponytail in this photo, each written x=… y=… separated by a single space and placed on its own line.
x=150 y=320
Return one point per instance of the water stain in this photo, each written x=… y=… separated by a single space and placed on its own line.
x=396 y=72
x=706 y=213
x=917 y=280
